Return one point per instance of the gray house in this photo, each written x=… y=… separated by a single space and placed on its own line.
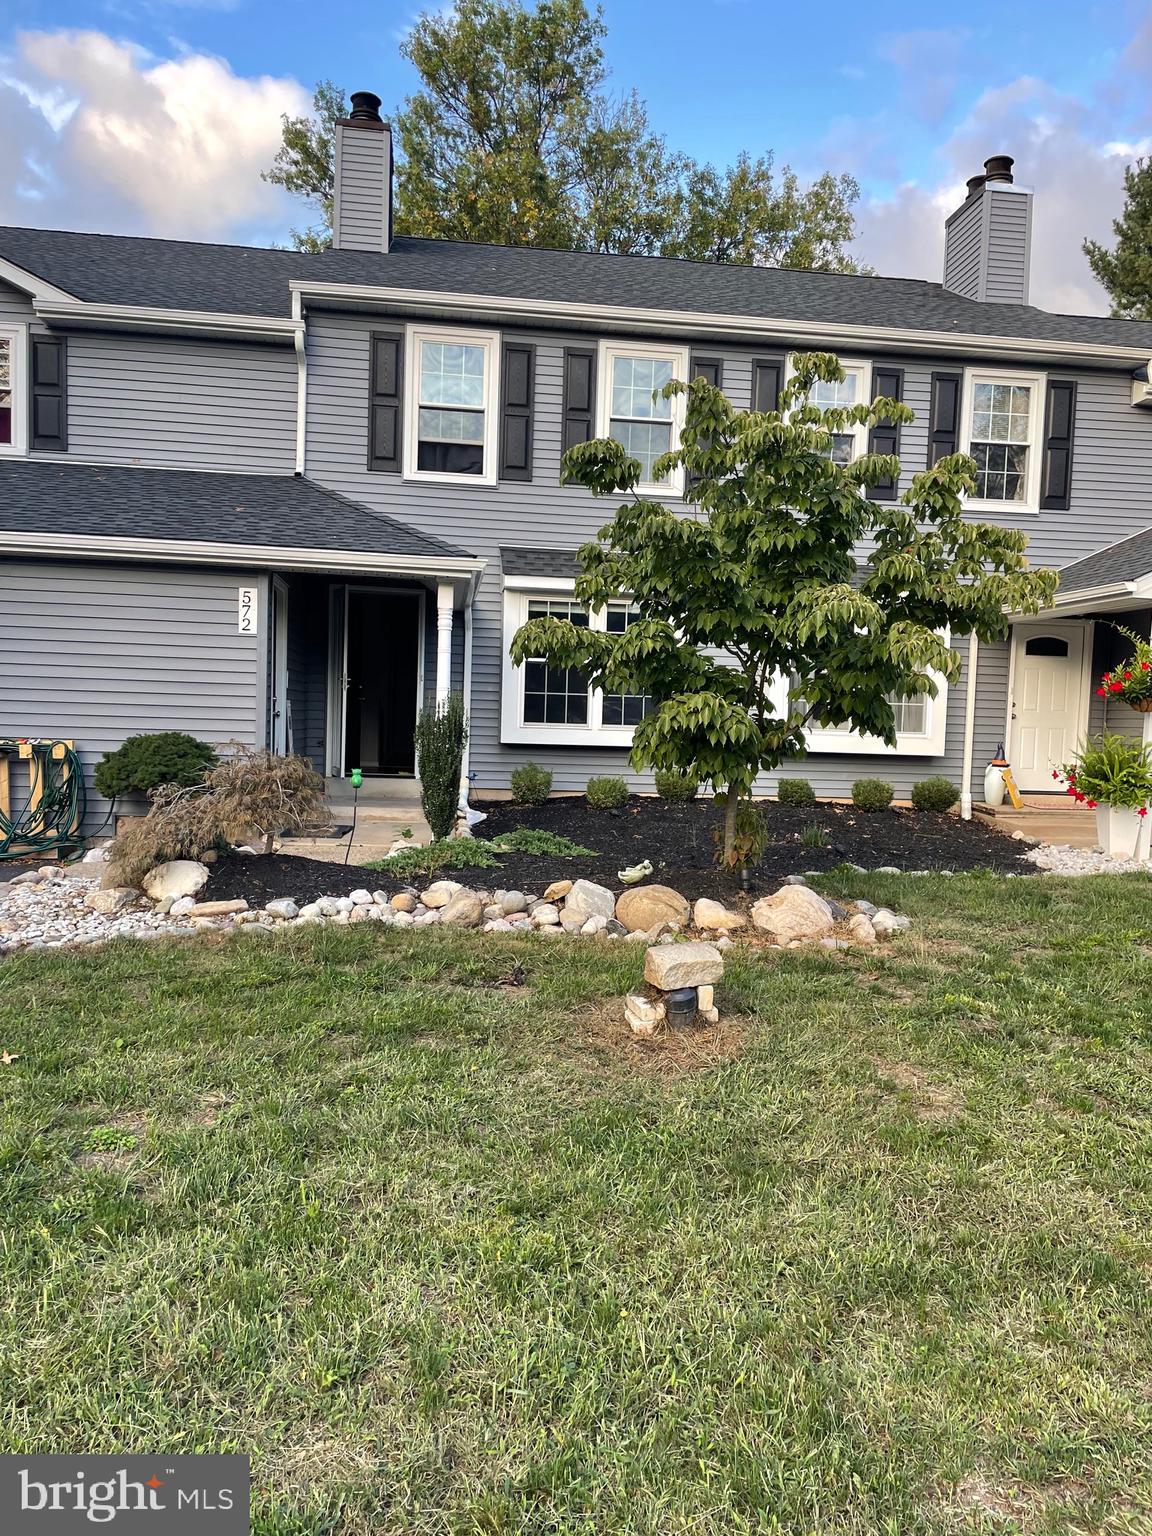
x=286 y=497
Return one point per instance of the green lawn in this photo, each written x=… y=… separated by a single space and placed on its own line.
x=447 y=1255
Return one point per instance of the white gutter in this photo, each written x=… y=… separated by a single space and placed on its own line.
x=148 y=317
x=969 y=728
x=693 y=322
x=271 y=556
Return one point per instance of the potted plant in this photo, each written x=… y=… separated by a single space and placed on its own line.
x=1131 y=680
x=1112 y=775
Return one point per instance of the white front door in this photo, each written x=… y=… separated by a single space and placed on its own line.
x=1049 y=702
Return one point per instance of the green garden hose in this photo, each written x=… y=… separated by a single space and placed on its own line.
x=53 y=822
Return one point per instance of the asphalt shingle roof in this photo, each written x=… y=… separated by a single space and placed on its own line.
x=539 y=562
x=1128 y=560
x=236 y=279
x=120 y=501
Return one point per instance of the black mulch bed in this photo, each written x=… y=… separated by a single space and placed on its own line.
x=677 y=839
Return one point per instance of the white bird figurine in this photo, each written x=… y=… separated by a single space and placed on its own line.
x=634 y=875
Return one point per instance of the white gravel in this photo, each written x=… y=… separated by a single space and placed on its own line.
x=53 y=913
x=1059 y=859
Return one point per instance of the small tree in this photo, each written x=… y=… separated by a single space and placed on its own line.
x=254 y=790
x=756 y=618
x=441 y=735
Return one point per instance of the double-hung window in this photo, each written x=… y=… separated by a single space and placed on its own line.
x=544 y=704
x=634 y=412
x=452 y=405
x=13 y=399
x=852 y=389
x=1003 y=438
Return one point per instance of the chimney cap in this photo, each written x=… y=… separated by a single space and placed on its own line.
x=998 y=168
x=365 y=108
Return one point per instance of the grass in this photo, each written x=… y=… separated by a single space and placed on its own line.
x=410 y=1220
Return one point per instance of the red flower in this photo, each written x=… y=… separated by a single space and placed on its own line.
x=1100 y=692
x=1146 y=666
x=1055 y=775
x=1127 y=675
x=1143 y=811
x=1117 y=687
x=1091 y=805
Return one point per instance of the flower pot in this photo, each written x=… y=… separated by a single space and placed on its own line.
x=1143 y=705
x=1118 y=828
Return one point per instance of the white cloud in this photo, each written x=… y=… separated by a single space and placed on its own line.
x=127 y=143
x=1066 y=148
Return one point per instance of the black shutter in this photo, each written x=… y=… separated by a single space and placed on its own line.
x=887 y=384
x=944 y=417
x=710 y=369
x=1059 y=425
x=579 y=396
x=516 y=396
x=48 y=369
x=384 y=449
x=767 y=378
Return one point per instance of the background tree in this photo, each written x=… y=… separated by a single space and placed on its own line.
x=1126 y=270
x=511 y=139
x=755 y=621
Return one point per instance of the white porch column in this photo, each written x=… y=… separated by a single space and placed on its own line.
x=969 y=728
x=443 y=641
x=1144 y=840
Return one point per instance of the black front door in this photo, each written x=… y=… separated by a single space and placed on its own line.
x=383 y=677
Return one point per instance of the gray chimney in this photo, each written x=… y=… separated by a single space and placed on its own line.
x=988 y=240
x=362 y=178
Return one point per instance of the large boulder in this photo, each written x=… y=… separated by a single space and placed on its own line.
x=669 y=966
x=589 y=899
x=179 y=877
x=793 y=913
x=646 y=906
x=463 y=910
x=716 y=916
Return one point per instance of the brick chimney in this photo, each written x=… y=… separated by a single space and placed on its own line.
x=362 y=178
x=988 y=240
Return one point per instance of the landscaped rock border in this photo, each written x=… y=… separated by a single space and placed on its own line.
x=51 y=907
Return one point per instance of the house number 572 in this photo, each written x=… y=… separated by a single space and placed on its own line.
x=248 y=611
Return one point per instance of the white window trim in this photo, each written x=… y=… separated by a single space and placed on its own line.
x=931 y=742
x=858 y=365
x=514 y=730
x=17 y=334
x=1038 y=384
x=490 y=340
x=679 y=357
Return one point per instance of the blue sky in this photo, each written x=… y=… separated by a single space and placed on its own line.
x=155 y=115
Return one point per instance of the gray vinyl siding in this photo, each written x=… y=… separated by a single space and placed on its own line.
x=360 y=219
x=1009 y=247
x=97 y=653
x=14 y=305
x=181 y=404
x=963 y=268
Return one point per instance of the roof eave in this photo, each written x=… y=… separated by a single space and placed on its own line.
x=75 y=314
x=695 y=322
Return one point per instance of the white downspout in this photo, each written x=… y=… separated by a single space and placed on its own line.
x=969 y=727
x=301 y=383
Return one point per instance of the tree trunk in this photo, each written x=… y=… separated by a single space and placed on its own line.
x=731 y=805
x=269 y=842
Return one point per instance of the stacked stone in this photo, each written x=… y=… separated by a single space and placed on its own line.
x=683 y=978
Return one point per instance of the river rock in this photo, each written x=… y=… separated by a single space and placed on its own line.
x=558 y=890
x=283 y=907
x=361 y=898
x=112 y=900
x=441 y=892
x=861 y=929
x=403 y=901
x=669 y=966
x=546 y=914
x=644 y=906
x=794 y=912
x=218 y=908
x=513 y=901
x=588 y=899
x=715 y=915
x=179 y=877
x=465 y=909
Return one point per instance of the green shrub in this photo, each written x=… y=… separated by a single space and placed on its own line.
x=814 y=836
x=676 y=787
x=795 y=792
x=531 y=784
x=441 y=735
x=536 y=840
x=143 y=763
x=935 y=794
x=606 y=794
x=445 y=853
x=872 y=794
